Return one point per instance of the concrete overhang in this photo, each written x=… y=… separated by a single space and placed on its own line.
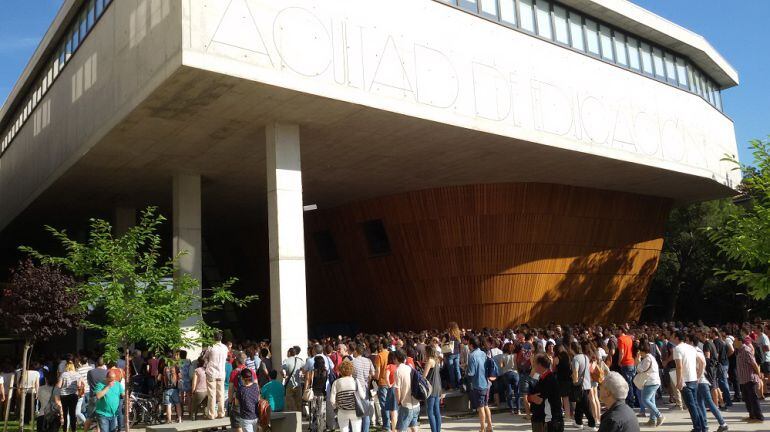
x=637 y=20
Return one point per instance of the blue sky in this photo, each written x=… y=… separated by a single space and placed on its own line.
x=736 y=28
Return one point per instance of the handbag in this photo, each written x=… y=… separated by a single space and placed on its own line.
x=641 y=378
x=307 y=395
x=448 y=348
x=360 y=409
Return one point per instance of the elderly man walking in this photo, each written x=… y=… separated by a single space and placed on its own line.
x=619 y=416
x=215 y=359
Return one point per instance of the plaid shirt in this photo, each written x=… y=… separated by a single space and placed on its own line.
x=745 y=365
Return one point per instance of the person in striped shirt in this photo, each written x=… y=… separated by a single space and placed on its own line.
x=747 y=371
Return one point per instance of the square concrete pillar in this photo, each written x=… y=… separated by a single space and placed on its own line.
x=288 y=297
x=186 y=227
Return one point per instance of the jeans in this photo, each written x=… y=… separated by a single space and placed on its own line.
x=628 y=373
x=511 y=385
x=648 y=397
x=453 y=365
x=382 y=395
x=121 y=415
x=246 y=424
x=407 y=417
x=690 y=397
x=434 y=413
x=725 y=386
x=704 y=398
x=366 y=420
x=107 y=424
x=638 y=396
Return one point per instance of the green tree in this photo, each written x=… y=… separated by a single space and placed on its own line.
x=142 y=299
x=745 y=237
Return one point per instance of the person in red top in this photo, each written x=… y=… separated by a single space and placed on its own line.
x=627 y=364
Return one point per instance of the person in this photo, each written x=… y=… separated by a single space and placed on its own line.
x=563 y=368
x=274 y=392
x=452 y=355
x=391 y=405
x=247 y=395
x=107 y=395
x=509 y=381
x=649 y=367
x=234 y=382
x=748 y=376
x=95 y=375
x=619 y=417
x=524 y=351
x=626 y=362
x=343 y=398
x=198 y=386
x=433 y=376
x=185 y=378
x=687 y=363
x=764 y=346
x=363 y=372
x=545 y=398
x=169 y=378
x=215 y=359
x=48 y=395
x=316 y=381
x=581 y=376
x=703 y=394
x=291 y=368
x=381 y=371
x=479 y=383
x=408 y=406
x=67 y=387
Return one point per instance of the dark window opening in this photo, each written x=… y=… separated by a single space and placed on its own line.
x=376 y=237
x=326 y=246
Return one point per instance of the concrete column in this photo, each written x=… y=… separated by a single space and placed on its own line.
x=288 y=301
x=124 y=219
x=186 y=225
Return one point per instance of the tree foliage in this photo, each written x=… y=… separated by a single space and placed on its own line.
x=39 y=303
x=140 y=296
x=745 y=237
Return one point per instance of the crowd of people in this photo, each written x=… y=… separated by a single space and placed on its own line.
x=611 y=378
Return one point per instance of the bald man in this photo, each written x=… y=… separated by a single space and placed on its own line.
x=108 y=394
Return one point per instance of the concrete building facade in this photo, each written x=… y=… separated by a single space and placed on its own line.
x=535 y=145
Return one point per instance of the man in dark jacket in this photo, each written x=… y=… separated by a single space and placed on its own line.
x=619 y=416
x=545 y=398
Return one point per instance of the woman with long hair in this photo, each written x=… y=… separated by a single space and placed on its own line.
x=510 y=378
x=563 y=368
x=316 y=380
x=433 y=376
x=452 y=356
x=648 y=365
x=597 y=374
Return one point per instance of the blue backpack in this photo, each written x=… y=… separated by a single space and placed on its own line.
x=420 y=386
x=490 y=369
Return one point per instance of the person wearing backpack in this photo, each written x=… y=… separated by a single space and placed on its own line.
x=479 y=383
x=170 y=380
x=408 y=406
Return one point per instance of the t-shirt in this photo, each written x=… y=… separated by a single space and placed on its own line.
x=626 y=344
x=404 y=386
x=274 y=393
x=477 y=369
x=687 y=355
x=362 y=370
x=235 y=376
x=69 y=382
x=381 y=360
x=108 y=405
x=292 y=366
x=200 y=385
x=44 y=395
x=216 y=357
x=248 y=399
x=580 y=363
x=96 y=375
x=764 y=341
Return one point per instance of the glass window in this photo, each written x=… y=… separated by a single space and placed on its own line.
x=543 y=10
x=91 y=14
x=670 y=68
x=691 y=78
x=73 y=42
x=470 y=5
x=633 y=53
x=507 y=11
x=681 y=72
x=592 y=36
x=376 y=237
x=605 y=36
x=718 y=99
x=698 y=84
x=710 y=92
x=657 y=61
x=489 y=8
x=702 y=85
x=83 y=26
x=560 y=26
x=620 y=48
x=576 y=31
x=99 y=8
x=527 y=15
x=646 y=51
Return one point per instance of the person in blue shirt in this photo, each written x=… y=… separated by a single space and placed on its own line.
x=479 y=382
x=273 y=392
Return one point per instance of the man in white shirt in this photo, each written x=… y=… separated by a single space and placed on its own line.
x=215 y=359
x=687 y=365
x=408 y=407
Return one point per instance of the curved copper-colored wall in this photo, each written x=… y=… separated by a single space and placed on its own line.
x=488 y=256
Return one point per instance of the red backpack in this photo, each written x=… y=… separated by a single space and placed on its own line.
x=264 y=411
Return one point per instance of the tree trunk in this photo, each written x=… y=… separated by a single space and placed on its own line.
x=22 y=383
x=127 y=396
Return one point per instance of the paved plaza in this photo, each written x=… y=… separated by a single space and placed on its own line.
x=676 y=420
